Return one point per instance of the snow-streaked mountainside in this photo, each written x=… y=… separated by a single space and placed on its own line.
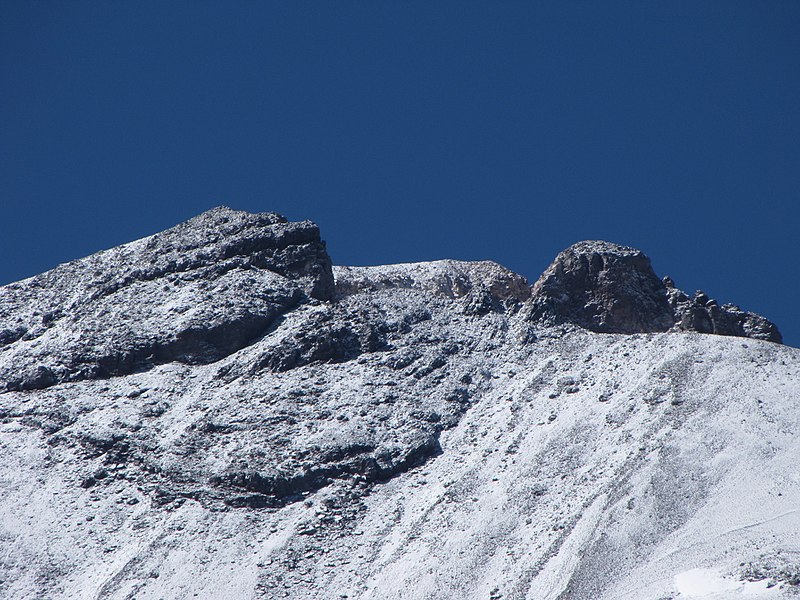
x=217 y=412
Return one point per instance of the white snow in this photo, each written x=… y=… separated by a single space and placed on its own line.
x=703 y=583
x=712 y=584
x=671 y=460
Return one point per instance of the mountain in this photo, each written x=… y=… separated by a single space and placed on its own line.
x=216 y=411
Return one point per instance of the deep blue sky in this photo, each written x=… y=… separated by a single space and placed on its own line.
x=415 y=130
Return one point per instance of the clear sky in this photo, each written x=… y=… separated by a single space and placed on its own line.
x=415 y=130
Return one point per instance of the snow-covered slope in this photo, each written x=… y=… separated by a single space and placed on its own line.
x=436 y=430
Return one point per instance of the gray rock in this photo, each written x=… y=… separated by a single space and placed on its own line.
x=602 y=287
x=193 y=294
x=704 y=315
x=609 y=288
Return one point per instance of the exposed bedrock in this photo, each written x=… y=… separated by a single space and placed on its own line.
x=602 y=287
x=609 y=288
x=192 y=294
x=208 y=287
x=705 y=315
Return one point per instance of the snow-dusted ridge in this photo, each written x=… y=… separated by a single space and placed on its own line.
x=446 y=278
x=217 y=412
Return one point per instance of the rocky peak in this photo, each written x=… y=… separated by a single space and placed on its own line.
x=193 y=294
x=226 y=237
x=603 y=287
x=610 y=288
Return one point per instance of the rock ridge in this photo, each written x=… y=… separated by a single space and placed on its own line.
x=193 y=293
x=223 y=374
x=208 y=287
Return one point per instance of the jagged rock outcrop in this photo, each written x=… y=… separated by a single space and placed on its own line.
x=705 y=315
x=609 y=288
x=192 y=294
x=602 y=287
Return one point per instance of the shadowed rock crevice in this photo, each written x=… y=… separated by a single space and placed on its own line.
x=326 y=337
x=365 y=462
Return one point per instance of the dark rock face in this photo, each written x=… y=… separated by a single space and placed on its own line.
x=333 y=334
x=193 y=294
x=602 y=287
x=609 y=288
x=705 y=315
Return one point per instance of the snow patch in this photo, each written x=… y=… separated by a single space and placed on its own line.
x=702 y=583
x=712 y=585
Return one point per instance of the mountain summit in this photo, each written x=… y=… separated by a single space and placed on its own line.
x=609 y=288
x=216 y=411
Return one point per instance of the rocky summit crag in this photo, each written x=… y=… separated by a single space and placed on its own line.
x=192 y=294
x=216 y=411
x=609 y=288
